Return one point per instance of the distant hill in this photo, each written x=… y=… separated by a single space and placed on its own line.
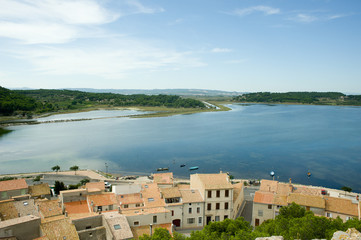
x=179 y=92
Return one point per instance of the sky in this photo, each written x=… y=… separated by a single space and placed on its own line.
x=231 y=45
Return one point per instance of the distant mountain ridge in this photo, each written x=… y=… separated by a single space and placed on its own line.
x=181 y=92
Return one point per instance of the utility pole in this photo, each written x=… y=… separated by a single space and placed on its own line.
x=106 y=168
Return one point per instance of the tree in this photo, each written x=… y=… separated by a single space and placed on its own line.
x=159 y=234
x=83 y=181
x=74 y=168
x=59 y=186
x=346 y=189
x=56 y=168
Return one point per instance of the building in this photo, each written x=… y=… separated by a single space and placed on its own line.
x=11 y=188
x=193 y=209
x=217 y=192
x=23 y=228
x=40 y=191
x=341 y=207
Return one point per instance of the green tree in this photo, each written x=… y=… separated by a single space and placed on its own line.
x=83 y=182
x=74 y=168
x=59 y=186
x=159 y=234
x=56 y=168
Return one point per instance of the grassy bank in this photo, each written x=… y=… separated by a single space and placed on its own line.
x=4 y=131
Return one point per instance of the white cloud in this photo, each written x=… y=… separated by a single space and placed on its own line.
x=261 y=8
x=107 y=62
x=221 y=50
x=318 y=16
x=305 y=18
x=140 y=8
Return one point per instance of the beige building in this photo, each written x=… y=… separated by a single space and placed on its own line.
x=341 y=207
x=217 y=192
x=238 y=199
x=23 y=228
x=11 y=188
x=193 y=209
x=163 y=179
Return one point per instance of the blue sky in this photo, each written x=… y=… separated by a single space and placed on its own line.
x=234 y=45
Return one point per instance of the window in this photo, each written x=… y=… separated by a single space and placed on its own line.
x=200 y=220
x=172 y=213
x=23 y=191
x=260 y=213
x=348 y=218
x=4 y=195
x=226 y=205
x=209 y=194
x=218 y=193
x=189 y=210
x=99 y=208
x=217 y=206
x=217 y=219
x=190 y=220
x=269 y=206
x=110 y=207
x=225 y=216
x=125 y=206
x=329 y=215
x=226 y=194
x=256 y=222
x=136 y=223
x=117 y=227
x=137 y=205
x=88 y=227
x=209 y=206
x=198 y=209
x=154 y=219
x=150 y=199
x=189 y=204
x=307 y=208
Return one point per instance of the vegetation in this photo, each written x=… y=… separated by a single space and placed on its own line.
x=74 y=168
x=4 y=131
x=346 y=189
x=320 y=98
x=37 y=178
x=11 y=101
x=293 y=222
x=59 y=186
x=56 y=168
x=7 y=178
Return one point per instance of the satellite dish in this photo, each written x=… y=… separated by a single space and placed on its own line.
x=272 y=173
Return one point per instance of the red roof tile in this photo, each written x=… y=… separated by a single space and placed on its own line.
x=13 y=185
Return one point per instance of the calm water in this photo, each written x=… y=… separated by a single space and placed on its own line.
x=248 y=142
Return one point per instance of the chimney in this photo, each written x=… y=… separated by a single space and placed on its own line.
x=290 y=180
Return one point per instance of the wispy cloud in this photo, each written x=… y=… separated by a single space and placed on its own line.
x=315 y=16
x=305 y=18
x=140 y=8
x=221 y=50
x=260 y=8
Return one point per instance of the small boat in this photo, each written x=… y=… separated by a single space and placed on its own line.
x=193 y=168
x=183 y=165
x=162 y=169
x=309 y=174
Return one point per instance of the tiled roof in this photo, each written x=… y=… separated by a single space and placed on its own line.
x=39 y=189
x=263 y=197
x=183 y=186
x=306 y=200
x=8 y=210
x=341 y=205
x=284 y=188
x=13 y=185
x=172 y=192
x=215 y=181
x=104 y=199
x=307 y=190
x=59 y=229
x=122 y=231
x=95 y=186
x=268 y=186
x=26 y=207
x=19 y=220
x=76 y=207
x=280 y=200
x=163 y=178
x=49 y=208
x=190 y=196
x=130 y=198
x=151 y=195
x=139 y=231
x=145 y=211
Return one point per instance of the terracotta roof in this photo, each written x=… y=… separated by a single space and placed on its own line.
x=95 y=186
x=26 y=207
x=59 y=229
x=280 y=200
x=144 y=211
x=306 y=200
x=172 y=192
x=139 y=231
x=183 y=186
x=307 y=190
x=263 y=197
x=8 y=210
x=151 y=195
x=190 y=196
x=13 y=185
x=49 y=208
x=39 y=189
x=215 y=181
x=268 y=186
x=104 y=199
x=284 y=188
x=129 y=198
x=76 y=207
x=118 y=225
x=341 y=205
x=163 y=178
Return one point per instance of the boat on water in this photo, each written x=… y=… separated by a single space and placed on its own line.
x=193 y=168
x=183 y=165
x=162 y=169
x=309 y=174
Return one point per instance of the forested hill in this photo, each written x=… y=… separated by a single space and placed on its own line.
x=321 y=98
x=39 y=101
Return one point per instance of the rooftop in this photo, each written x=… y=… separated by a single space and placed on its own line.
x=190 y=196
x=103 y=199
x=268 y=186
x=95 y=186
x=49 y=208
x=76 y=207
x=13 y=185
x=341 y=205
x=144 y=211
x=39 y=189
x=118 y=225
x=163 y=178
x=130 y=198
x=8 y=210
x=306 y=200
x=263 y=197
x=172 y=192
x=26 y=207
x=139 y=231
x=18 y=220
x=59 y=229
x=215 y=181
x=151 y=195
